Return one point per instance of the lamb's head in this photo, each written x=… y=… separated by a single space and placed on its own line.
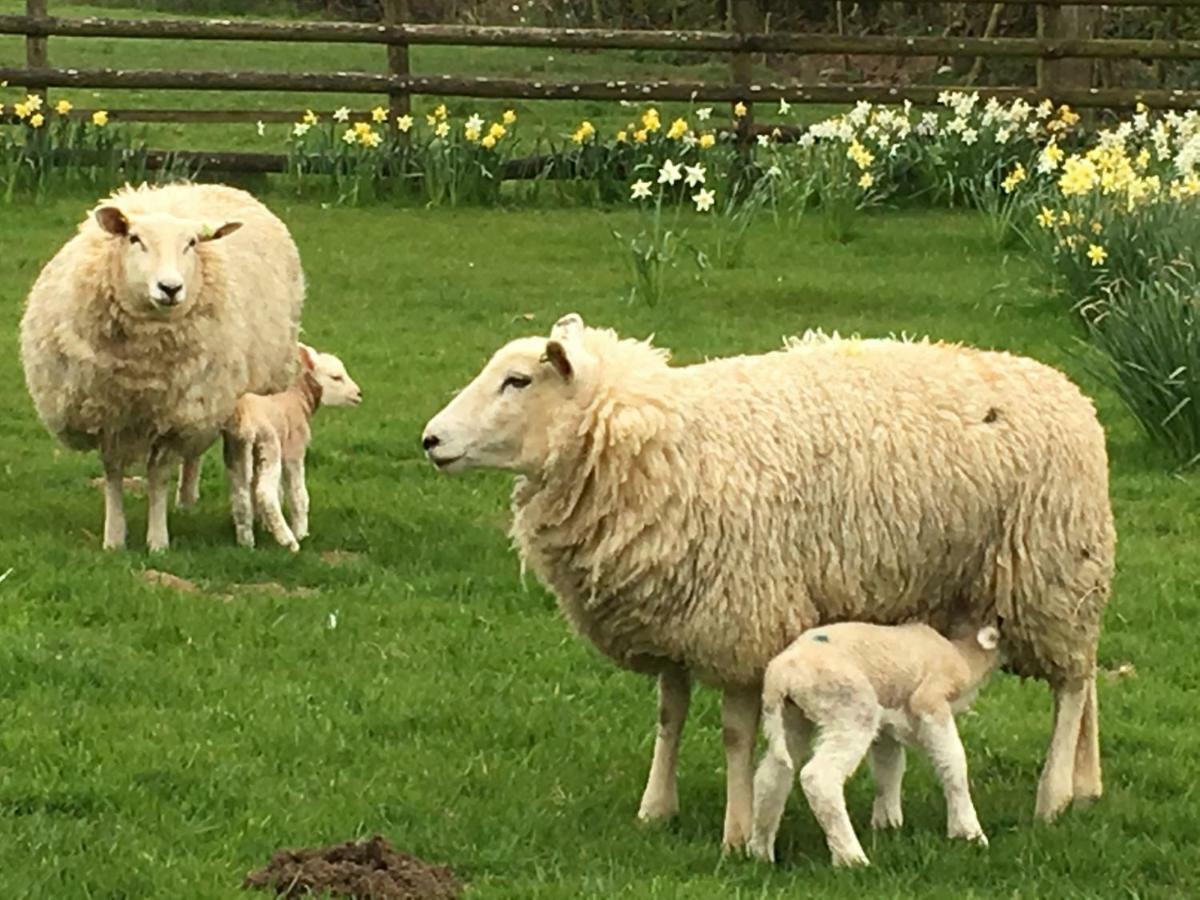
x=159 y=255
x=337 y=387
x=505 y=418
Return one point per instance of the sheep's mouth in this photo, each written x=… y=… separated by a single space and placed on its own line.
x=445 y=462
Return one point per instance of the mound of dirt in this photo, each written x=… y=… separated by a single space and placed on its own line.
x=370 y=870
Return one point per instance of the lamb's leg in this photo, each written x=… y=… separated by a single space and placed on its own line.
x=660 y=800
x=1056 y=787
x=239 y=467
x=887 y=770
x=158 y=480
x=1088 y=785
x=114 y=505
x=297 y=497
x=939 y=738
x=188 y=491
x=267 y=493
x=739 y=727
x=787 y=734
x=844 y=741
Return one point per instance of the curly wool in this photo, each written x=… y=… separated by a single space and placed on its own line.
x=705 y=515
x=100 y=376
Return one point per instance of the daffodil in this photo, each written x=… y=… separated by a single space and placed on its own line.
x=350 y=136
x=371 y=139
x=704 y=113
x=509 y=117
x=100 y=118
x=21 y=110
x=678 y=129
x=1097 y=228
x=497 y=130
x=763 y=140
x=739 y=109
x=707 y=140
x=1015 y=177
x=1050 y=157
x=33 y=102
x=62 y=107
x=442 y=129
x=1097 y=254
x=695 y=175
x=1046 y=217
x=704 y=199
x=1064 y=218
x=440 y=111
x=300 y=129
x=37 y=120
x=471 y=134
x=342 y=114
x=362 y=128
x=260 y=127
x=641 y=135
x=488 y=142
x=404 y=123
x=431 y=119
x=309 y=118
x=650 y=120
x=475 y=123
x=583 y=132
x=784 y=107
x=866 y=180
x=622 y=136
x=639 y=190
x=670 y=172
x=860 y=154
x=379 y=114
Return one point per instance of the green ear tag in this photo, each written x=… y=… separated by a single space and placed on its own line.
x=206 y=232
x=820 y=638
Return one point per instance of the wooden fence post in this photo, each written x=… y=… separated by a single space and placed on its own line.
x=744 y=20
x=395 y=12
x=37 y=54
x=1065 y=22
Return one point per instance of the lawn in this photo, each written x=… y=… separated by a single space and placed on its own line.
x=161 y=744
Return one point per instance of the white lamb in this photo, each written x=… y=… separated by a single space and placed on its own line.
x=867 y=687
x=266 y=440
x=694 y=520
x=141 y=333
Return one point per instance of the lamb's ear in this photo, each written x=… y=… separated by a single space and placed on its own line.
x=556 y=355
x=988 y=637
x=112 y=220
x=306 y=356
x=568 y=327
x=227 y=229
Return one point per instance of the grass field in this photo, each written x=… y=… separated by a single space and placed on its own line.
x=159 y=744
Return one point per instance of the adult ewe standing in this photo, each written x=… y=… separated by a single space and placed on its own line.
x=693 y=520
x=145 y=328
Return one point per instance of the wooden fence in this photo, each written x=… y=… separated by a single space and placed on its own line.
x=1059 y=49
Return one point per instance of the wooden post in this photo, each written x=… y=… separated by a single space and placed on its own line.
x=744 y=20
x=37 y=54
x=395 y=12
x=1068 y=22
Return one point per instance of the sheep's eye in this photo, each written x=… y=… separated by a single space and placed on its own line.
x=339 y=378
x=191 y=243
x=516 y=381
x=135 y=240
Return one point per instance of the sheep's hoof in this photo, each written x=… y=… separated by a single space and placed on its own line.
x=114 y=544
x=761 y=849
x=157 y=547
x=883 y=818
x=658 y=810
x=851 y=860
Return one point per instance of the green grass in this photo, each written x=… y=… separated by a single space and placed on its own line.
x=555 y=118
x=157 y=744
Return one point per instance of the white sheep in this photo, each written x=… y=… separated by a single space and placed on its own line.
x=867 y=687
x=266 y=440
x=694 y=520
x=141 y=333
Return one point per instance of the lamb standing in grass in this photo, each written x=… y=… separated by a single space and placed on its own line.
x=144 y=329
x=694 y=520
x=867 y=687
x=266 y=439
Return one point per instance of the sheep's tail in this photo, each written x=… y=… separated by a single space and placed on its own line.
x=775 y=688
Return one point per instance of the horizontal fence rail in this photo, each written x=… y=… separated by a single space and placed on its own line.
x=600 y=39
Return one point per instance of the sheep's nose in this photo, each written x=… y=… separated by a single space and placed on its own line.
x=430 y=441
x=170 y=288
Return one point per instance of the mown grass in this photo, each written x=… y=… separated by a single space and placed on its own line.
x=159 y=744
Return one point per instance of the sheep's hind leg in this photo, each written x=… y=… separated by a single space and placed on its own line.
x=188 y=491
x=842 y=744
x=739 y=727
x=267 y=493
x=787 y=733
x=297 y=492
x=1088 y=785
x=239 y=466
x=1056 y=787
x=114 y=505
x=660 y=800
x=158 y=478
x=887 y=770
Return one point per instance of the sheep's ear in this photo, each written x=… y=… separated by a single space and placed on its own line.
x=556 y=355
x=112 y=220
x=227 y=229
x=568 y=327
x=989 y=637
x=306 y=356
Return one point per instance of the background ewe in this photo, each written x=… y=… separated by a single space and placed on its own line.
x=141 y=333
x=693 y=520
x=867 y=687
x=266 y=439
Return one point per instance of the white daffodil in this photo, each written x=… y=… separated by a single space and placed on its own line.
x=300 y=129
x=670 y=172
x=704 y=200
x=474 y=123
x=342 y=114
x=695 y=175
x=639 y=190
x=704 y=113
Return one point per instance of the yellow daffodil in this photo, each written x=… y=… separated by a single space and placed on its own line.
x=650 y=120
x=100 y=118
x=404 y=123
x=361 y=128
x=471 y=134
x=371 y=139
x=488 y=142
x=34 y=102
x=707 y=140
x=739 y=109
x=1097 y=254
x=1015 y=177
x=1046 y=217
x=622 y=136
x=62 y=107
x=350 y=136
x=497 y=130
x=431 y=119
x=1097 y=228
x=309 y=118
x=583 y=132
x=37 y=120
x=1143 y=159
x=860 y=154
x=20 y=110
x=441 y=112
x=1064 y=218
x=641 y=135
x=678 y=129
x=1079 y=177
x=509 y=117
x=1067 y=116
x=866 y=180
x=379 y=114
x=442 y=129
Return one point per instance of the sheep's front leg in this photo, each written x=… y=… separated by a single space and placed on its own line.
x=188 y=491
x=297 y=497
x=158 y=478
x=1056 y=787
x=739 y=725
x=114 y=505
x=939 y=738
x=787 y=733
x=887 y=769
x=267 y=493
x=239 y=466
x=660 y=800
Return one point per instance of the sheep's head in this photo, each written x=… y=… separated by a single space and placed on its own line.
x=159 y=254
x=337 y=387
x=504 y=418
